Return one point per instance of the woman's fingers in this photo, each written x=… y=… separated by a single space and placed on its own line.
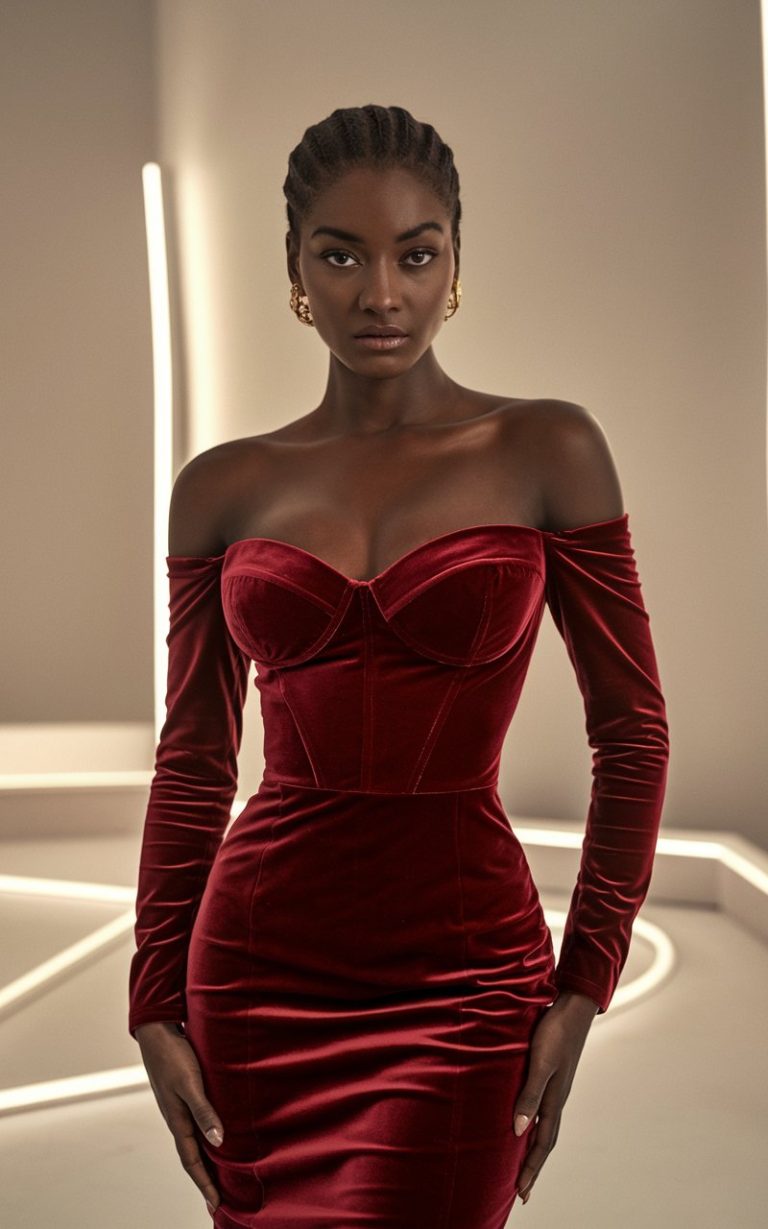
x=546 y=1129
x=176 y=1080
x=189 y=1153
x=194 y=1108
x=204 y=1114
x=531 y=1096
x=556 y=1046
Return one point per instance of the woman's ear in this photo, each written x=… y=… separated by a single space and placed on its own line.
x=292 y=257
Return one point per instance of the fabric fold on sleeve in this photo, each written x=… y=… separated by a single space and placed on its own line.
x=594 y=595
x=193 y=786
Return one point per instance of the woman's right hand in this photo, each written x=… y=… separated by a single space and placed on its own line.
x=177 y=1082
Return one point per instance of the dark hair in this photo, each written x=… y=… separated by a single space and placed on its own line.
x=369 y=136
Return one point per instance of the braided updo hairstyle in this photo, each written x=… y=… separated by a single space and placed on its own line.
x=369 y=136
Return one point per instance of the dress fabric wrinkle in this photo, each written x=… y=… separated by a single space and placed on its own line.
x=360 y=963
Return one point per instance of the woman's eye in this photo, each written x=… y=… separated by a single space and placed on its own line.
x=423 y=252
x=345 y=254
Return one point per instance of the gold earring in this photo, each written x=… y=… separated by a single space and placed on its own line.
x=300 y=305
x=454 y=300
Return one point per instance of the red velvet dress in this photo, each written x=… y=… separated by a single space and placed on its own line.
x=359 y=965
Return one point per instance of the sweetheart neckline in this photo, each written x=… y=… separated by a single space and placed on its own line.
x=439 y=538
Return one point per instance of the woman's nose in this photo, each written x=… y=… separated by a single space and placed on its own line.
x=380 y=292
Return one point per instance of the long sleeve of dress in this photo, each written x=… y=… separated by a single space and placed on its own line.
x=593 y=592
x=193 y=787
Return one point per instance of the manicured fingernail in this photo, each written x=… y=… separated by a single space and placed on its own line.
x=210 y=1207
x=214 y=1135
x=521 y=1122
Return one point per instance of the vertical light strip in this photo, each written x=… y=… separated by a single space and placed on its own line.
x=159 y=299
x=764 y=44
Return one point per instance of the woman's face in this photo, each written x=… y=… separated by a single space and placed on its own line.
x=376 y=250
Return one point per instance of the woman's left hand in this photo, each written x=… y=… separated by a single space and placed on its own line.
x=556 y=1047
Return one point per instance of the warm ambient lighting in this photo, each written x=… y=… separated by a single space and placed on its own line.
x=97 y=1084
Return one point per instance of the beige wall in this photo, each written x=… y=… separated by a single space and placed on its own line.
x=77 y=110
x=613 y=253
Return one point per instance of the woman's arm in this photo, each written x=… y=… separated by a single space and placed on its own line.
x=195 y=775
x=595 y=598
x=594 y=595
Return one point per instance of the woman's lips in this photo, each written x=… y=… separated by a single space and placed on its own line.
x=382 y=343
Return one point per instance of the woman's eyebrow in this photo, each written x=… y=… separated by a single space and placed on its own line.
x=345 y=234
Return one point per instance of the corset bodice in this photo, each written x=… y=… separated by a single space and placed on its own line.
x=406 y=682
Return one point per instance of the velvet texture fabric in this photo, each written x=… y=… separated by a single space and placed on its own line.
x=360 y=964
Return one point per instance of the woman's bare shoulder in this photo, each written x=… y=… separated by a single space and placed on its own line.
x=579 y=479
x=206 y=490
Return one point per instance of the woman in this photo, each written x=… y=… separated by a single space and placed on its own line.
x=374 y=1028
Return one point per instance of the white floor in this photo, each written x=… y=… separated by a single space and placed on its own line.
x=666 y=1124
